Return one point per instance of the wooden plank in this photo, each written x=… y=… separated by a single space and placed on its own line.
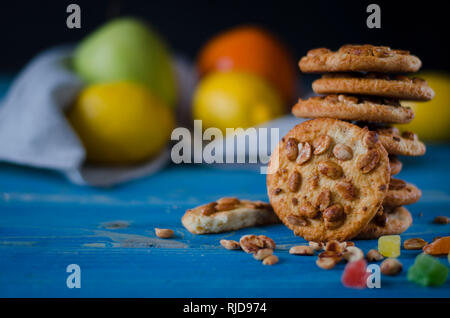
x=47 y=224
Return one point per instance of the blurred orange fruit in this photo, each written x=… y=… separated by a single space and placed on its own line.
x=251 y=49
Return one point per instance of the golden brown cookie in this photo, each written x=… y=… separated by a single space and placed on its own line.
x=406 y=144
x=228 y=214
x=359 y=58
x=392 y=221
x=327 y=179
x=395 y=164
x=401 y=193
x=348 y=107
x=400 y=87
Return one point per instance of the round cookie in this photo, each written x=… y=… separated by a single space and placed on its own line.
x=400 y=87
x=347 y=107
x=395 y=164
x=406 y=144
x=359 y=58
x=401 y=193
x=392 y=221
x=327 y=179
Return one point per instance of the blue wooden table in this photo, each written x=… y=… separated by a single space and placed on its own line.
x=46 y=223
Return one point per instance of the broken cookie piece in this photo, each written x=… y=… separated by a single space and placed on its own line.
x=228 y=214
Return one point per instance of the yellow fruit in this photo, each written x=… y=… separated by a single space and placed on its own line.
x=432 y=119
x=235 y=100
x=121 y=122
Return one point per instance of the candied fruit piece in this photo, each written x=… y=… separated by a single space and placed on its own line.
x=355 y=274
x=389 y=245
x=441 y=246
x=427 y=271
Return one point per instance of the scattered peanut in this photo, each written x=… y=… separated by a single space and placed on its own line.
x=334 y=246
x=301 y=250
x=374 y=256
x=230 y=244
x=353 y=253
x=164 y=233
x=262 y=254
x=317 y=246
x=414 y=244
x=441 y=220
x=337 y=257
x=326 y=262
x=253 y=243
x=391 y=267
x=270 y=260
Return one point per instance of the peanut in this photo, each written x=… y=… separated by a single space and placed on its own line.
x=374 y=256
x=262 y=254
x=353 y=253
x=391 y=267
x=270 y=260
x=414 y=244
x=230 y=244
x=321 y=144
x=163 y=233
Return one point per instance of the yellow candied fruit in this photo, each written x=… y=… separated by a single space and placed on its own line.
x=389 y=245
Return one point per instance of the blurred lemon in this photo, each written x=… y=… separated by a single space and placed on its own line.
x=235 y=100
x=432 y=119
x=121 y=122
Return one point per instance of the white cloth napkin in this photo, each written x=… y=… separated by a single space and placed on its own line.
x=35 y=132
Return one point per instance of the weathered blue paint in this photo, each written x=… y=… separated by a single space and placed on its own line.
x=47 y=223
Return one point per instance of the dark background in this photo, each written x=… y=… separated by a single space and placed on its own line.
x=28 y=27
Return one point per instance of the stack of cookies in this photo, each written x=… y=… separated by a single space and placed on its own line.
x=332 y=177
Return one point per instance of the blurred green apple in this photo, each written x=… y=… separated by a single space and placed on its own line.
x=127 y=49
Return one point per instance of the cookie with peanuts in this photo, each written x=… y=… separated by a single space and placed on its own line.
x=396 y=143
x=390 y=221
x=327 y=179
x=395 y=164
x=352 y=107
x=374 y=84
x=228 y=214
x=359 y=58
x=401 y=193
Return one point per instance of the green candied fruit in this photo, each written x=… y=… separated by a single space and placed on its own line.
x=427 y=271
